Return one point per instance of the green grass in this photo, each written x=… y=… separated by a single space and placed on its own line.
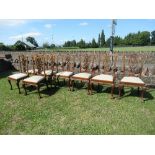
x=126 y=49
x=65 y=112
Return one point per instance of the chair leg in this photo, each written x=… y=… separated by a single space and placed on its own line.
x=72 y=84
x=98 y=86
x=64 y=81
x=91 y=88
x=138 y=90
x=142 y=94
x=81 y=83
x=112 y=90
x=58 y=81
x=88 y=87
x=120 y=89
x=18 y=86
x=69 y=84
x=10 y=84
x=49 y=81
x=53 y=79
x=38 y=88
x=46 y=83
x=25 y=89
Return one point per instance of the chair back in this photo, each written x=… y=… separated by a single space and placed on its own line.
x=52 y=62
x=67 y=63
x=85 y=62
x=39 y=61
x=106 y=63
x=23 y=63
x=95 y=63
x=132 y=64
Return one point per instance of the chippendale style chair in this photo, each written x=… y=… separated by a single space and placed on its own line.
x=85 y=72
x=107 y=75
x=23 y=65
x=67 y=67
x=134 y=71
x=39 y=79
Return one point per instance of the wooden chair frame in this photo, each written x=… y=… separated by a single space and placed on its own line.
x=39 y=63
x=107 y=69
x=23 y=65
x=84 y=67
x=67 y=65
x=133 y=60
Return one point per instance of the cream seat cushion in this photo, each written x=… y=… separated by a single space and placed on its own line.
x=18 y=76
x=103 y=77
x=47 y=72
x=31 y=71
x=34 y=79
x=65 y=73
x=132 y=79
x=82 y=75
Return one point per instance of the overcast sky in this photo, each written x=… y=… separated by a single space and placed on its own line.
x=58 y=31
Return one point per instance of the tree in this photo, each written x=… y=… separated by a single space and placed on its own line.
x=46 y=45
x=53 y=46
x=118 y=41
x=88 y=45
x=102 y=39
x=2 y=47
x=70 y=44
x=153 y=37
x=73 y=43
x=94 y=44
x=67 y=44
x=138 y=39
x=144 y=38
x=32 y=41
x=108 y=42
x=81 y=44
x=99 y=41
x=19 y=46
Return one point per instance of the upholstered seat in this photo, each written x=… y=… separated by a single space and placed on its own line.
x=82 y=75
x=18 y=76
x=34 y=79
x=47 y=72
x=103 y=77
x=65 y=73
x=132 y=79
x=31 y=71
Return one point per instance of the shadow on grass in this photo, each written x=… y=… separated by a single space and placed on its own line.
x=104 y=89
x=43 y=91
x=126 y=93
x=134 y=93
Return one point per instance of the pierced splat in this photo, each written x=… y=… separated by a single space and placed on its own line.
x=106 y=63
x=86 y=63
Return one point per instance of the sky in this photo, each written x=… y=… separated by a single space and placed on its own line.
x=58 y=31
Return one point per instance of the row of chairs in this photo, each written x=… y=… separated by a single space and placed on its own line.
x=88 y=68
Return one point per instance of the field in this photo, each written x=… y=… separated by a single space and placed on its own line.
x=126 y=49
x=63 y=112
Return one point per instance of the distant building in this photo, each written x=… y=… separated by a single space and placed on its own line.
x=27 y=45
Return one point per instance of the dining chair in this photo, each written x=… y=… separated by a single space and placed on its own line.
x=132 y=71
x=17 y=77
x=36 y=80
x=84 y=74
x=67 y=69
x=106 y=75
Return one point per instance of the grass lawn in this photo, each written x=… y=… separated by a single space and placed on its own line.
x=126 y=49
x=63 y=112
